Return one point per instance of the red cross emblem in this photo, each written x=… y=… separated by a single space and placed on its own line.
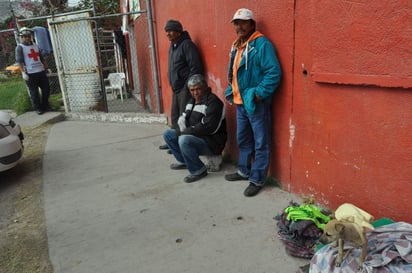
x=33 y=55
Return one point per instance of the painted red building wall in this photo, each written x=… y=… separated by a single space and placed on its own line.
x=146 y=82
x=343 y=113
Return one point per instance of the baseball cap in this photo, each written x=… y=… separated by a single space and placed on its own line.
x=25 y=31
x=243 y=14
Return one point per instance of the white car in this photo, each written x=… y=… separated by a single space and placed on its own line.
x=11 y=142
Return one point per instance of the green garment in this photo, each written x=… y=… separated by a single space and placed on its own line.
x=307 y=212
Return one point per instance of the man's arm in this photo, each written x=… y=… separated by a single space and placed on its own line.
x=210 y=123
x=271 y=71
x=20 y=57
x=193 y=60
x=20 y=62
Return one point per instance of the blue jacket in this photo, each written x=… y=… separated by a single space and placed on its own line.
x=258 y=74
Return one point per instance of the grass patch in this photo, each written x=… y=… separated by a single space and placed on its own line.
x=11 y=91
x=14 y=96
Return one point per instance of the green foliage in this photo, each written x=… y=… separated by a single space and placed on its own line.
x=39 y=9
x=8 y=42
x=104 y=7
x=56 y=101
x=22 y=103
x=7 y=23
x=101 y=6
x=14 y=96
x=10 y=89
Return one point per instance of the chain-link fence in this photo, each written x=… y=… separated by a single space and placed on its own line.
x=8 y=66
x=7 y=50
x=90 y=65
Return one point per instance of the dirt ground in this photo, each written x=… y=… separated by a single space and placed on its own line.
x=23 y=238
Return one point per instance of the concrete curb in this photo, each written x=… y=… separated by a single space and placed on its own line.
x=56 y=119
x=33 y=120
x=136 y=118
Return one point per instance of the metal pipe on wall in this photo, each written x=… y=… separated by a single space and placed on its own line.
x=153 y=55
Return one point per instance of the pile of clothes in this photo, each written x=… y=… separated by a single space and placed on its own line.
x=389 y=243
x=300 y=227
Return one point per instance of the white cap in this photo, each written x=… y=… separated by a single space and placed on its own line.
x=25 y=31
x=243 y=14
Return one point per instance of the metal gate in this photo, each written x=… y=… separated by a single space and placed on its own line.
x=77 y=64
x=91 y=67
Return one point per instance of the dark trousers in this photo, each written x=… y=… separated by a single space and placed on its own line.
x=36 y=81
x=179 y=101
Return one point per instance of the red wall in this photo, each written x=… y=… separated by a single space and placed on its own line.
x=211 y=30
x=342 y=116
x=351 y=119
x=146 y=81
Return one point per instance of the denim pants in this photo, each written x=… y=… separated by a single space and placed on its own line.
x=187 y=149
x=253 y=138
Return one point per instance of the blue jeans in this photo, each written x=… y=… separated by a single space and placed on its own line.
x=187 y=149
x=253 y=138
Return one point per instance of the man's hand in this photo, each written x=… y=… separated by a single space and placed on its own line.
x=182 y=123
x=25 y=76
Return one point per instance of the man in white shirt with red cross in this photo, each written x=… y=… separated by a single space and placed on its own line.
x=34 y=69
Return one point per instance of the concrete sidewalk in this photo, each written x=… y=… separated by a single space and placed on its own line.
x=112 y=204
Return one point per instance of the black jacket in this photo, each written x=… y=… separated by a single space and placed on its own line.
x=207 y=121
x=184 y=61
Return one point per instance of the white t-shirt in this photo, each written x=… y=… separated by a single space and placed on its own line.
x=32 y=59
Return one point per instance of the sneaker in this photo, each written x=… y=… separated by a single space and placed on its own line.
x=178 y=166
x=214 y=163
x=39 y=112
x=252 y=190
x=192 y=178
x=235 y=177
x=164 y=147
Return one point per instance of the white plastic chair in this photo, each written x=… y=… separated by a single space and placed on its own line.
x=117 y=83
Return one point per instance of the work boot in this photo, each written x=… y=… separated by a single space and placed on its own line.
x=163 y=147
x=252 y=190
x=192 y=178
x=235 y=177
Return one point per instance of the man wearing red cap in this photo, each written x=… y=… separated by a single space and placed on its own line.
x=254 y=74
